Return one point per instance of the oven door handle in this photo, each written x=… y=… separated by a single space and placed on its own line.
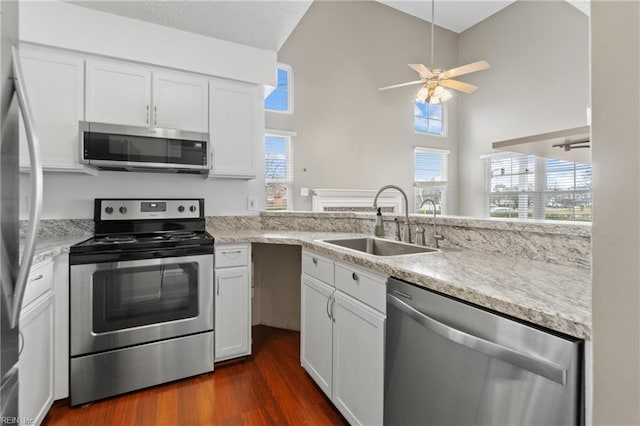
x=35 y=209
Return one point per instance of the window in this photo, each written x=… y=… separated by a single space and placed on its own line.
x=278 y=172
x=280 y=100
x=430 y=179
x=529 y=187
x=428 y=118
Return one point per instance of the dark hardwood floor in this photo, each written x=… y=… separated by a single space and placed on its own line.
x=271 y=388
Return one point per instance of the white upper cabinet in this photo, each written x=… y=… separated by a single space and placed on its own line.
x=236 y=119
x=118 y=93
x=180 y=102
x=55 y=87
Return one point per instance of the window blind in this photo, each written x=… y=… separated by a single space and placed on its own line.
x=278 y=172
x=529 y=187
x=430 y=178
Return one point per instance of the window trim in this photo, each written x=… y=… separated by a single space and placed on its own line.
x=289 y=110
x=445 y=122
x=288 y=135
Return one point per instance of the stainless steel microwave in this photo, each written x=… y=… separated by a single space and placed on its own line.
x=130 y=148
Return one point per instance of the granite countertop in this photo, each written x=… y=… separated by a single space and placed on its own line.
x=553 y=296
x=47 y=248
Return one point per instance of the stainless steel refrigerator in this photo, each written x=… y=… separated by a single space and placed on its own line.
x=14 y=268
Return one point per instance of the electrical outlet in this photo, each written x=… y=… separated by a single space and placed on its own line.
x=251 y=203
x=304 y=192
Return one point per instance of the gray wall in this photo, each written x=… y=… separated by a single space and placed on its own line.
x=538 y=82
x=350 y=135
x=615 y=89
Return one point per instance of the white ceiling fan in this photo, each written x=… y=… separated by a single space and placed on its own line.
x=434 y=80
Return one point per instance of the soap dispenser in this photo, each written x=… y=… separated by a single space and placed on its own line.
x=379 y=229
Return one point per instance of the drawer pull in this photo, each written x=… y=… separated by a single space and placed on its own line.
x=315 y=260
x=354 y=276
x=236 y=252
x=38 y=278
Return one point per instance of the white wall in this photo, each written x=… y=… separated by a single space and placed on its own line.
x=538 y=82
x=615 y=47
x=70 y=196
x=68 y=26
x=350 y=135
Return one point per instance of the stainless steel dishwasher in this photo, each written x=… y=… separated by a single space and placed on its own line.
x=451 y=363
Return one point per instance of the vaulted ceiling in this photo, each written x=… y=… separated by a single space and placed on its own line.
x=267 y=24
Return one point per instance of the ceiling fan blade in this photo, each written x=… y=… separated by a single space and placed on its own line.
x=458 y=85
x=401 y=85
x=466 y=69
x=422 y=70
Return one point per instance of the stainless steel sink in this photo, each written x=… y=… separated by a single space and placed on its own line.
x=380 y=247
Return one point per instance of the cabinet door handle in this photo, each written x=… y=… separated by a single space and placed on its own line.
x=147 y=114
x=217 y=286
x=354 y=276
x=333 y=302
x=315 y=261
x=328 y=312
x=21 y=342
x=155 y=115
x=38 y=278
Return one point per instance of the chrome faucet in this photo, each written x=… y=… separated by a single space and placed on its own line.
x=437 y=237
x=406 y=234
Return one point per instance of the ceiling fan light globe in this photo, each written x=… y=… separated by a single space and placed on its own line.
x=422 y=95
x=445 y=95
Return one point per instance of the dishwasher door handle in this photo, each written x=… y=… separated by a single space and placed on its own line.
x=531 y=363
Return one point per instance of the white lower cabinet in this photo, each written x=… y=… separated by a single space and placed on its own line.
x=316 y=329
x=36 y=344
x=36 y=364
x=342 y=337
x=358 y=361
x=232 y=301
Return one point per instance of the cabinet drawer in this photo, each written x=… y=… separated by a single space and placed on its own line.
x=318 y=267
x=368 y=287
x=40 y=280
x=232 y=255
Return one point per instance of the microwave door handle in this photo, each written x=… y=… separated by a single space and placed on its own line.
x=36 y=189
x=525 y=361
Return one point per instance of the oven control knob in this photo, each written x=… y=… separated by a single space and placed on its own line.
x=180 y=209
x=109 y=210
x=192 y=208
x=123 y=209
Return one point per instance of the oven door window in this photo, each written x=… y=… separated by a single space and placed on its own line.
x=138 y=296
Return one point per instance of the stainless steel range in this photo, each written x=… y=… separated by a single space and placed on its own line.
x=141 y=297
